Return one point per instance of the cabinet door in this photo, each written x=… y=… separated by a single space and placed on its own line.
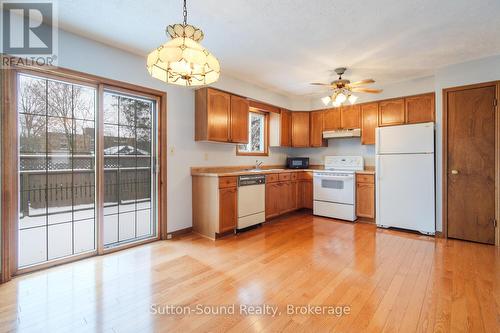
x=294 y=197
x=286 y=128
x=420 y=109
x=219 y=113
x=316 y=130
x=331 y=119
x=350 y=117
x=239 y=119
x=272 y=199
x=305 y=194
x=283 y=197
x=391 y=112
x=228 y=210
x=300 y=129
x=369 y=121
x=365 y=200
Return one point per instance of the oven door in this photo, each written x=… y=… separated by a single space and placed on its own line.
x=331 y=188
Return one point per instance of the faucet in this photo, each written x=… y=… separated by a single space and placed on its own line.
x=258 y=164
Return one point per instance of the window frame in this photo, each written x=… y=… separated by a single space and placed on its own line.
x=266 y=135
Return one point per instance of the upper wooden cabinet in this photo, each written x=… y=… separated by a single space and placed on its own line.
x=220 y=116
x=350 y=117
x=286 y=128
x=331 y=119
x=391 y=112
x=300 y=129
x=316 y=130
x=239 y=119
x=420 y=109
x=369 y=121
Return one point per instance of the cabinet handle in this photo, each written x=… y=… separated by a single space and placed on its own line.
x=454 y=172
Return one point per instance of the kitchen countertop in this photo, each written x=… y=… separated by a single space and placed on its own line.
x=238 y=171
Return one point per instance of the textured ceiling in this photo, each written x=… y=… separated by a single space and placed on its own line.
x=285 y=44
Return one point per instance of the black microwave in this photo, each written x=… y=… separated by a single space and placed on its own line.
x=297 y=162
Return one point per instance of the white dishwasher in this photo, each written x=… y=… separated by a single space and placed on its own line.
x=251 y=200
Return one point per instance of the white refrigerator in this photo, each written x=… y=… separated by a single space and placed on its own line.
x=405 y=190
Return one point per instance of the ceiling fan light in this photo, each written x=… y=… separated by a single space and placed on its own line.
x=336 y=104
x=326 y=100
x=353 y=99
x=341 y=98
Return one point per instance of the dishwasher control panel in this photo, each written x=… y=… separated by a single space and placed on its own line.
x=251 y=180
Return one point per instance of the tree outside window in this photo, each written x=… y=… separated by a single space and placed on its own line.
x=257 y=135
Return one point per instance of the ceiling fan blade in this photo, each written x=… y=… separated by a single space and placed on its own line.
x=367 y=90
x=320 y=84
x=359 y=83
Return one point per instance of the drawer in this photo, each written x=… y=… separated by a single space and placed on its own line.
x=370 y=179
x=272 y=178
x=284 y=176
x=293 y=176
x=228 y=182
x=305 y=175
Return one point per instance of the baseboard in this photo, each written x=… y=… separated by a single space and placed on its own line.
x=180 y=232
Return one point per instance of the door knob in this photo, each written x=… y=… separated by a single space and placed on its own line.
x=454 y=172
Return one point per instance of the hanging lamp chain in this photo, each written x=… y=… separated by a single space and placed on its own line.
x=185 y=12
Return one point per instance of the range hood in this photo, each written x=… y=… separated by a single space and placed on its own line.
x=342 y=133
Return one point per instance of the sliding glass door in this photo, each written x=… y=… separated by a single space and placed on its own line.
x=129 y=173
x=56 y=169
x=58 y=136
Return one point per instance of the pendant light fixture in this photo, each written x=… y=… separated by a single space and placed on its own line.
x=182 y=60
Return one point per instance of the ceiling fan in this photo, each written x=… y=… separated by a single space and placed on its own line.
x=343 y=89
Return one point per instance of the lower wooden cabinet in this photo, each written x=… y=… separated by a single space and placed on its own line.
x=305 y=193
x=272 y=199
x=228 y=209
x=287 y=193
x=365 y=196
x=215 y=205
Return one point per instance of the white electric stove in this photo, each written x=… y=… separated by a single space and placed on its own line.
x=335 y=187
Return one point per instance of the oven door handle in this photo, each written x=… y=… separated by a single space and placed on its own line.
x=334 y=177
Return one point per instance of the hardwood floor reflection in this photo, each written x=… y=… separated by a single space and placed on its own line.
x=390 y=281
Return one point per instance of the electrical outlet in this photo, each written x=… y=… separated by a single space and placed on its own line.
x=206 y=157
x=172 y=150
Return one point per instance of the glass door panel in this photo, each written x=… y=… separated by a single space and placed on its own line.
x=56 y=169
x=129 y=179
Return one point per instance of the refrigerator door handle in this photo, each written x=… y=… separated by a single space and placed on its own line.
x=378 y=171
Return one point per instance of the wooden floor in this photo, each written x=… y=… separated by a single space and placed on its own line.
x=387 y=280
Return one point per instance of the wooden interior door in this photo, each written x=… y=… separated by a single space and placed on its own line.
x=471 y=164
